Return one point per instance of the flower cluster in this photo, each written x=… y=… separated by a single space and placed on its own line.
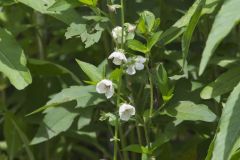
x=131 y=64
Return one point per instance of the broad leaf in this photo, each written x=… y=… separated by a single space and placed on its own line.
x=229 y=129
x=226 y=19
x=66 y=16
x=137 y=46
x=186 y=110
x=84 y=95
x=13 y=61
x=223 y=84
x=82 y=31
x=46 y=68
x=56 y=121
x=90 y=70
x=153 y=40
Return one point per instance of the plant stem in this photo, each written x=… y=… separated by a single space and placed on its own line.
x=116 y=123
x=115 y=140
x=151 y=92
x=146 y=135
x=122 y=21
x=119 y=87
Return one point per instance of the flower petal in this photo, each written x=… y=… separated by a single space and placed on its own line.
x=139 y=66
x=109 y=92
x=131 y=70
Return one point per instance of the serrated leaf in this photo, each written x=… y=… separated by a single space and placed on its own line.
x=90 y=70
x=56 y=121
x=226 y=19
x=13 y=61
x=186 y=110
x=223 y=84
x=80 y=30
x=229 y=129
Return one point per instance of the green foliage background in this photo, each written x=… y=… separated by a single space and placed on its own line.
x=53 y=52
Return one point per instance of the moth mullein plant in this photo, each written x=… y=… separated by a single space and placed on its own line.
x=119 y=80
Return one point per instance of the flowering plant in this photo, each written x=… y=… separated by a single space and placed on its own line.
x=119 y=79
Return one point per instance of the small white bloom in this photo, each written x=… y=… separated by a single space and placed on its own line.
x=126 y=111
x=118 y=57
x=139 y=64
x=105 y=86
x=131 y=27
x=117 y=34
x=113 y=8
x=131 y=70
x=136 y=63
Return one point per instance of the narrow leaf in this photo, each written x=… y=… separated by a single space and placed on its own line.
x=229 y=129
x=226 y=19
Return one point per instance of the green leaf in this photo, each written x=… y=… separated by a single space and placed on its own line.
x=67 y=16
x=81 y=30
x=153 y=40
x=186 y=110
x=226 y=19
x=46 y=68
x=137 y=46
x=149 y=19
x=13 y=61
x=84 y=95
x=56 y=121
x=15 y=136
x=62 y=5
x=90 y=70
x=136 y=148
x=89 y=2
x=83 y=121
x=178 y=28
x=187 y=36
x=223 y=84
x=229 y=129
x=163 y=83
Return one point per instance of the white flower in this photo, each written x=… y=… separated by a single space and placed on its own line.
x=105 y=86
x=113 y=8
x=117 y=34
x=136 y=63
x=126 y=111
x=118 y=57
x=131 y=27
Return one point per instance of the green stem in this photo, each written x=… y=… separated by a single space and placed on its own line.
x=139 y=134
x=123 y=143
x=116 y=123
x=122 y=21
x=146 y=135
x=151 y=92
x=115 y=140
